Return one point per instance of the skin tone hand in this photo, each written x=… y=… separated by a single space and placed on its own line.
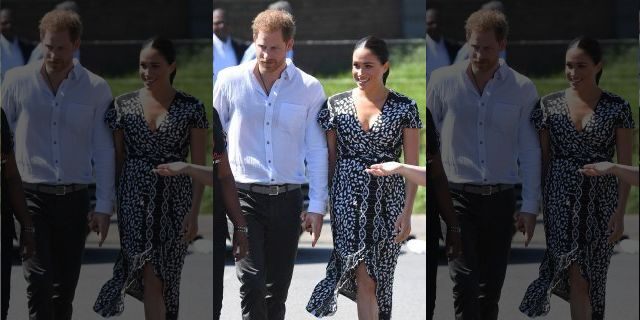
x=99 y=223
x=312 y=222
x=171 y=169
x=453 y=245
x=526 y=224
x=402 y=227
x=189 y=227
x=240 y=245
x=628 y=174
x=415 y=174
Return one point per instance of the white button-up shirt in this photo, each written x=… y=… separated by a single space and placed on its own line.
x=61 y=139
x=223 y=55
x=437 y=55
x=10 y=55
x=487 y=139
x=271 y=137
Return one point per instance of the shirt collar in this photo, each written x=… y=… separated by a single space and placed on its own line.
x=501 y=72
x=287 y=73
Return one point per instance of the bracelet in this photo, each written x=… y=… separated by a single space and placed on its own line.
x=244 y=229
x=453 y=229
x=28 y=229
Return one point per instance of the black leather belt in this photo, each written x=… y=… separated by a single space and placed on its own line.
x=58 y=190
x=485 y=190
x=272 y=190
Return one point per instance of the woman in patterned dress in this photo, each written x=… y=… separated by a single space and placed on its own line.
x=157 y=216
x=583 y=216
x=370 y=216
x=225 y=198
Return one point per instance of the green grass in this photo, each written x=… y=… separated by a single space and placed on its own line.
x=620 y=76
x=407 y=76
x=194 y=77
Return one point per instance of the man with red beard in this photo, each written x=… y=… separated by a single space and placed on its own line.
x=481 y=107
x=56 y=110
x=269 y=108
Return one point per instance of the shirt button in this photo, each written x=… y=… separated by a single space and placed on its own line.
x=54 y=123
x=481 y=161
x=482 y=104
x=56 y=104
x=480 y=122
x=267 y=123
x=269 y=103
x=56 y=161
x=59 y=180
x=55 y=142
x=273 y=180
x=267 y=142
x=485 y=180
x=480 y=142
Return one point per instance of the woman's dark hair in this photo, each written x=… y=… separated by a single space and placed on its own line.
x=379 y=48
x=165 y=48
x=591 y=47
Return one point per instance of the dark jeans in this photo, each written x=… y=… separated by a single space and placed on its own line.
x=265 y=274
x=60 y=224
x=486 y=223
x=219 y=246
x=7 y=258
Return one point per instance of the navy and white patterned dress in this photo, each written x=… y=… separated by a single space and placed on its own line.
x=364 y=207
x=577 y=208
x=151 y=208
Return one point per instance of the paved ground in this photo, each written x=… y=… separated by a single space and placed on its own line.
x=196 y=291
x=622 y=284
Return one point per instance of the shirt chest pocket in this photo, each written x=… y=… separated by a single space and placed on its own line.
x=79 y=118
x=505 y=117
x=292 y=117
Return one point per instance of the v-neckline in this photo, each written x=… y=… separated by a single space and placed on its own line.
x=375 y=121
x=166 y=114
x=586 y=124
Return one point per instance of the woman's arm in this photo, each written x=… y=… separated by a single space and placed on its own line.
x=410 y=139
x=19 y=205
x=198 y=157
x=331 y=150
x=415 y=174
x=118 y=142
x=201 y=174
x=628 y=174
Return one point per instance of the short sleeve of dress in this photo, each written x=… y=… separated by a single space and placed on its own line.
x=113 y=116
x=625 y=117
x=326 y=117
x=539 y=116
x=200 y=117
x=433 y=143
x=412 y=119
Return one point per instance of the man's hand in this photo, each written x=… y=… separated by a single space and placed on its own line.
x=526 y=223
x=99 y=223
x=312 y=223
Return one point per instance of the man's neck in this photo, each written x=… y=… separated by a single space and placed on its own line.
x=54 y=79
x=481 y=78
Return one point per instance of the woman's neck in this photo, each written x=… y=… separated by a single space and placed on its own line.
x=373 y=93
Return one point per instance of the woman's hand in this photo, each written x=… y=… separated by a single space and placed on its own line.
x=615 y=227
x=597 y=169
x=385 y=169
x=240 y=245
x=402 y=227
x=189 y=227
x=171 y=169
x=27 y=245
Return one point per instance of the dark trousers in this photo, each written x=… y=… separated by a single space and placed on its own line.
x=432 y=269
x=265 y=274
x=60 y=224
x=486 y=224
x=7 y=259
x=219 y=246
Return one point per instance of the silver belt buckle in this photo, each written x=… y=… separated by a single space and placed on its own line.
x=276 y=188
x=61 y=190
x=490 y=188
